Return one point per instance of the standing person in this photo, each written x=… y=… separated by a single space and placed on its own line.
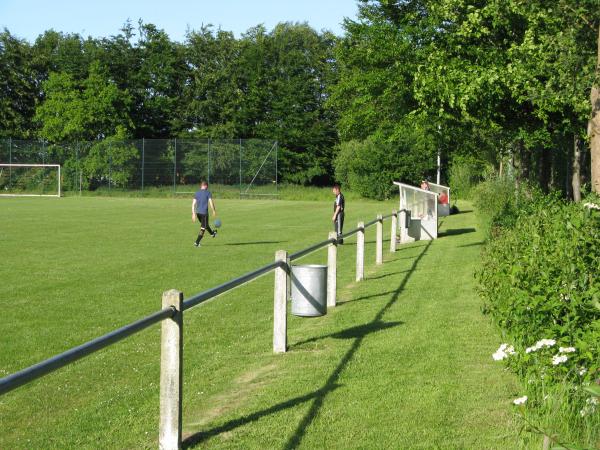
x=202 y=199
x=339 y=206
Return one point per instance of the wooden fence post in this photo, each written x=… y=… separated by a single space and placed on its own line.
x=280 y=295
x=332 y=270
x=379 y=243
x=171 y=373
x=360 y=252
x=394 y=231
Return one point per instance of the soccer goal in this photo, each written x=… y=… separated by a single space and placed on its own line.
x=443 y=198
x=30 y=180
x=418 y=213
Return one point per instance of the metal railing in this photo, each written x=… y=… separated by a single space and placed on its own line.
x=171 y=317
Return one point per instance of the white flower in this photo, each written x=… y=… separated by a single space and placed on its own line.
x=582 y=371
x=592 y=206
x=566 y=349
x=540 y=344
x=503 y=352
x=557 y=359
x=520 y=400
x=499 y=356
x=545 y=343
x=592 y=401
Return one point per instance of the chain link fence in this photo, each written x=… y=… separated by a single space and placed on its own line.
x=234 y=167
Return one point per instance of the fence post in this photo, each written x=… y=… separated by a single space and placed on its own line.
x=360 y=252
x=175 y=167
x=143 y=161
x=332 y=270
x=394 y=232
x=171 y=373
x=282 y=275
x=379 y=243
x=208 y=163
x=10 y=162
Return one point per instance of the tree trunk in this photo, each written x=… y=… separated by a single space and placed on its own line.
x=594 y=126
x=576 y=179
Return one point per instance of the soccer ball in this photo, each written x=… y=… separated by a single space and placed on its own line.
x=218 y=223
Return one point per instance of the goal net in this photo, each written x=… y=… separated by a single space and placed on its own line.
x=30 y=180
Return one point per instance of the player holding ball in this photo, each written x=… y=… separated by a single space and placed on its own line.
x=202 y=199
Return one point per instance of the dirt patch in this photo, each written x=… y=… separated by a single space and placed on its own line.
x=241 y=389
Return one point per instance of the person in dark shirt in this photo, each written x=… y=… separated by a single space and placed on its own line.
x=339 y=207
x=200 y=204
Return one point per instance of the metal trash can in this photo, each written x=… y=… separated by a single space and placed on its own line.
x=309 y=290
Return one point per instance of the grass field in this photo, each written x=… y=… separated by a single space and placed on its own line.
x=402 y=362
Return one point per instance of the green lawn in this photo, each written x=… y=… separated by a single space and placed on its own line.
x=402 y=362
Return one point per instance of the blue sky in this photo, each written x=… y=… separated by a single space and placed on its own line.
x=27 y=19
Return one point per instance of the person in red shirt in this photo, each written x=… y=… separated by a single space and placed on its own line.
x=443 y=199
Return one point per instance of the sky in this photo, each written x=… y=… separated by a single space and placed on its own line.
x=26 y=19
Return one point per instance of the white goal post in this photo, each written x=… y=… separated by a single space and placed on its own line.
x=9 y=168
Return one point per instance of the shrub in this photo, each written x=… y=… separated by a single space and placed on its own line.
x=464 y=174
x=539 y=280
x=369 y=167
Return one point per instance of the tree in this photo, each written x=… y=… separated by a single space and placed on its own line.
x=89 y=110
x=157 y=86
x=17 y=87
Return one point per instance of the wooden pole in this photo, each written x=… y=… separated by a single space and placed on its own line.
x=282 y=274
x=379 y=242
x=332 y=270
x=171 y=373
x=360 y=252
x=394 y=231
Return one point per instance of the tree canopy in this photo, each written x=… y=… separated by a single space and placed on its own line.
x=507 y=83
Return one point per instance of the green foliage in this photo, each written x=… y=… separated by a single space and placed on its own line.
x=91 y=109
x=111 y=161
x=497 y=201
x=539 y=281
x=17 y=87
x=265 y=85
x=465 y=173
x=369 y=167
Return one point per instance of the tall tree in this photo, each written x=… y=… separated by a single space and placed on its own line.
x=92 y=109
x=17 y=87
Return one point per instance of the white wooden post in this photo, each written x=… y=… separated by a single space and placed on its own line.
x=171 y=373
x=332 y=270
x=360 y=252
x=379 y=243
x=280 y=303
x=394 y=231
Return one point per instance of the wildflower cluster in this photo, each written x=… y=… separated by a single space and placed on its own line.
x=503 y=352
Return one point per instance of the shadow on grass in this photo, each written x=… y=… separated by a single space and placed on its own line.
x=366 y=297
x=385 y=275
x=254 y=243
x=198 y=438
x=474 y=244
x=317 y=397
x=359 y=331
x=457 y=231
